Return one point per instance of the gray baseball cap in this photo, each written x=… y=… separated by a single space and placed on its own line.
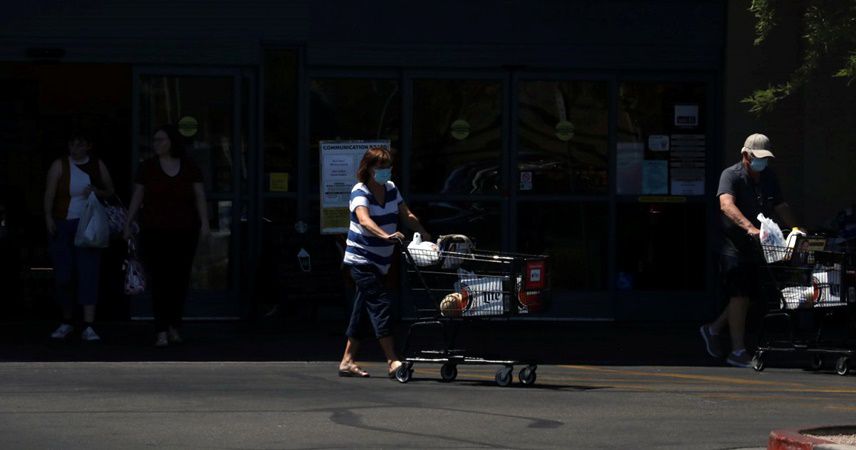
x=758 y=146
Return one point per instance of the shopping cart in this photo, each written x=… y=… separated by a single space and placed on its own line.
x=451 y=289
x=805 y=289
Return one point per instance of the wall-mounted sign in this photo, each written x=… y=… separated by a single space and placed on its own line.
x=460 y=129
x=278 y=182
x=687 y=164
x=188 y=126
x=658 y=143
x=686 y=116
x=564 y=130
x=339 y=163
x=655 y=177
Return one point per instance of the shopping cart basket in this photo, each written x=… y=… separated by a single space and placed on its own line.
x=807 y=285
x=451 y=289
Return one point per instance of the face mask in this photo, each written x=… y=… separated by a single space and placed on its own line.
x=758 y=164
x=382 y=175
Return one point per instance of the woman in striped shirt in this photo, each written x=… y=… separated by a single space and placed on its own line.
x=376 y=208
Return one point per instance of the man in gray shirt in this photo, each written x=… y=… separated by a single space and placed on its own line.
x=745 y=190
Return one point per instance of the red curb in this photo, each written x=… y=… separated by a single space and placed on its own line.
x=793 y=440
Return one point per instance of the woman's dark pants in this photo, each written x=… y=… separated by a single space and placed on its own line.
x=372 y=304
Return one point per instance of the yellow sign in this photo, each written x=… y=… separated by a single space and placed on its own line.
x=188 y=126
x=460 y=129
x=278 y=182
x=564 y=130
x=339 y=218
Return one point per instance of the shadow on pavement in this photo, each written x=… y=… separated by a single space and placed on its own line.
x=601 y=343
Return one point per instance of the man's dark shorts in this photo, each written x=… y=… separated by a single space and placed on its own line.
x=740 y=278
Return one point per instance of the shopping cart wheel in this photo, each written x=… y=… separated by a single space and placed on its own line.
x=404 y=372
x=527 y=375
x=448 y=372
x=504 y=376
x=842 y=366
x=758 y=361
x=816 y=362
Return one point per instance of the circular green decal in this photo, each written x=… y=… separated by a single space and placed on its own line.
x=188 y=126
x=564 y=130
x=460 y=129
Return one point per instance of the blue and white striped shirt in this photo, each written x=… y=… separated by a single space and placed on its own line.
x=363 y=246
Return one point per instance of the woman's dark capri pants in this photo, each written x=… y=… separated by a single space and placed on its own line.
x=372 y=303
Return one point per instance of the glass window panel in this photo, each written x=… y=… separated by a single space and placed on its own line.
x=661 y=246
x=212 y=263
x=564 y=137
x=478 y=220
x=457 y=136
x=203 y=109
x=646 y=164
x=352 y=109
x=280 y=121
x=574 y=235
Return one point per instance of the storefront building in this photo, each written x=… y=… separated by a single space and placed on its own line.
x=590 y=131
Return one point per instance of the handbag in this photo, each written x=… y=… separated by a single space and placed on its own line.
x=117 y=215
x=135 y=277
x=93 y=229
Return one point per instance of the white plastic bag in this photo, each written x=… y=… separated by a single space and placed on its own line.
x=452 y=247
x=772 y=240
x=423 y=253
x=93 y=230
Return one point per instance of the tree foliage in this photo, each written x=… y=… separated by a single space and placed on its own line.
x=829 y=31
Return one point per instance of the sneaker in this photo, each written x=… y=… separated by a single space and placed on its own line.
x=174 y=337
x=62 y=332
x=89 y=335
x=740 y=358
x=711 y=342
x=162 y=341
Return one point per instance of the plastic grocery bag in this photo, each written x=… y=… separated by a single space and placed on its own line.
x=93 y=230
x=772 y=240
x=452 y=247
x=424 y=253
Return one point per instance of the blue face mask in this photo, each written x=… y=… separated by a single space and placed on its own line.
x=382 y=175
x=758 y=164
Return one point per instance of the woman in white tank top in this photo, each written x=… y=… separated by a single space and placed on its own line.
x=70 y=180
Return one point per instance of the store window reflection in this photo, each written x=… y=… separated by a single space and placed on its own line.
x=478 y=220
x=203 y=110
x=352 y=109
x=574 y=235
x=457 y=136
x=564 y=127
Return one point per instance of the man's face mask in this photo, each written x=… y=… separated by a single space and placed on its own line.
x=758 y=164
x=382 y=175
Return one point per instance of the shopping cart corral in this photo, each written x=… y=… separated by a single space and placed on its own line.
x=809 y=295
x=451 y=289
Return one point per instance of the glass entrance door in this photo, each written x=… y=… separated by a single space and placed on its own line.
x=210 y=110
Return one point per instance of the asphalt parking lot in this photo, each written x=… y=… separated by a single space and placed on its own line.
x=253 y=405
